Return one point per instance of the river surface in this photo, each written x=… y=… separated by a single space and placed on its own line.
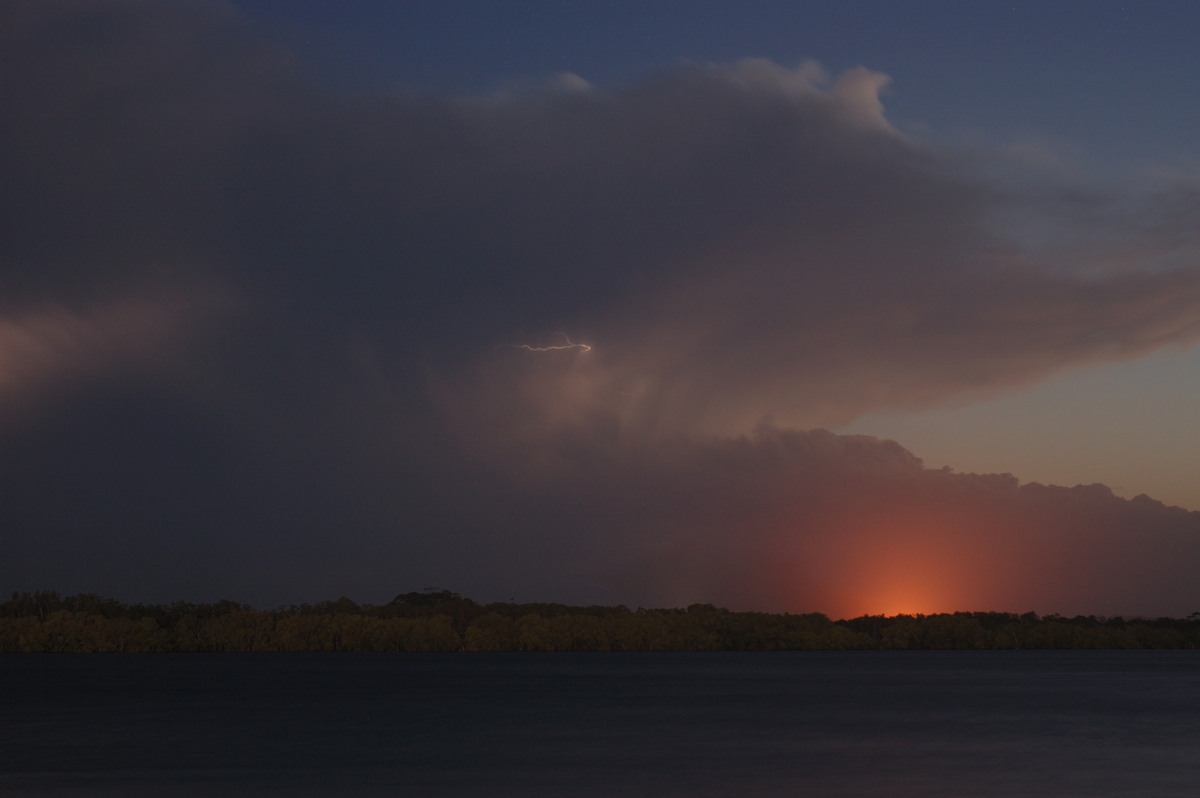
x=963 y=724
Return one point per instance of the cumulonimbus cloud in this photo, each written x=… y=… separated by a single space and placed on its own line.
x=746 y=241
x=745 y=249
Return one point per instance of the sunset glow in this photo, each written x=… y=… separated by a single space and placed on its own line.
x=913 y=577
x=902 y=594
x=909 y=556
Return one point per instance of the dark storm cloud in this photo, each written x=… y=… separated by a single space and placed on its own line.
x=852 y=524
x=276 y=333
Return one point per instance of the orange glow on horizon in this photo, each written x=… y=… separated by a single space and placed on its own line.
x=911 y=560
x=905 y=601
x=898 y=591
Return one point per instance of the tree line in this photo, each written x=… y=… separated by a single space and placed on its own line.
x=440 y=620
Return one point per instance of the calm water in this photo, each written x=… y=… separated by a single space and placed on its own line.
x=956 y=724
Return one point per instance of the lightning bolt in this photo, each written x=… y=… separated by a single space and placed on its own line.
x=556 y=348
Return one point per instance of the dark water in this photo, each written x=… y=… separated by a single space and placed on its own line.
x=733 y=724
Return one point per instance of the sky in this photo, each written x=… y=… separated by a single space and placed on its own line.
x=849 y=308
